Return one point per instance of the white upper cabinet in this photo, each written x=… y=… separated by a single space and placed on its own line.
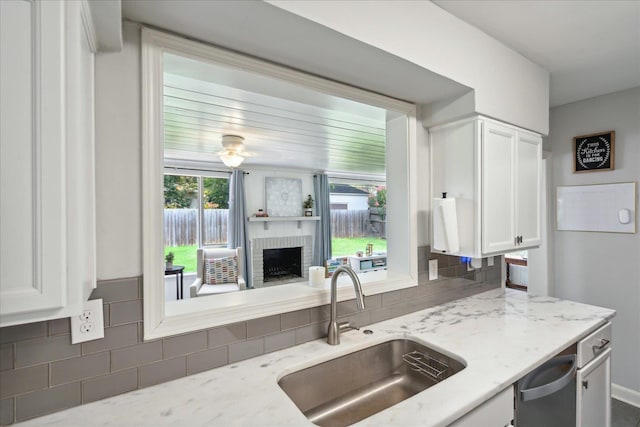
x=47 y=160
x=493 y=171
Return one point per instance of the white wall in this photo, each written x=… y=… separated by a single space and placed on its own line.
x=118 y=160
x=602 y=268
x=507 y=86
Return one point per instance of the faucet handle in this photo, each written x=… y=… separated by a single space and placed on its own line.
x=343 y=326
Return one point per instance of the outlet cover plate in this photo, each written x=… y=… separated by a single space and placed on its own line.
x=91 y=321
x=433 y=269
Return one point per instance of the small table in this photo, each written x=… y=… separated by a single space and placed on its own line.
x=178 y=270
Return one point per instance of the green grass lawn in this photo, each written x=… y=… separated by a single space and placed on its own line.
x=350 y=245
x=186 y=255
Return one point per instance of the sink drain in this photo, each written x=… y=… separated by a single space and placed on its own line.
x=367 y=332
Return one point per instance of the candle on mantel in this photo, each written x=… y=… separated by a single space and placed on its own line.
x=316 y=276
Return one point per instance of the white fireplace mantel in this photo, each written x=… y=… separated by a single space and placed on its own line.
x=267 y=219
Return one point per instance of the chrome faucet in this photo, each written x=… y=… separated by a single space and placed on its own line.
x=333 y=334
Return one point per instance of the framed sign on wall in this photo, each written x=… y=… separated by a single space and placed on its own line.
x=283 y=196
x=595 y=152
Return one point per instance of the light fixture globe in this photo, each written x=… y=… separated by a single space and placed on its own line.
x=230 y=155
x=231 y=160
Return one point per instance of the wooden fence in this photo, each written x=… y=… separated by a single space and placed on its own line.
x=180 y=225
x=354 y=223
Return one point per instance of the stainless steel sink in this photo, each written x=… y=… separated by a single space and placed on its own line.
x=350 y=388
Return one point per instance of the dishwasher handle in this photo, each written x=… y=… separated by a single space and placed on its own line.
x=527 y=393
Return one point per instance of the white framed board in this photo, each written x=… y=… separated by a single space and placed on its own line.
x=600 y=207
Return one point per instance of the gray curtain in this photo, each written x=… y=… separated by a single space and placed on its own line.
x=237 y=229
x=322 y=244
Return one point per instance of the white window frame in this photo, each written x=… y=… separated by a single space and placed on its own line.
x=162 y=318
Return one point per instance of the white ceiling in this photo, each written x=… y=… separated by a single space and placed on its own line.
x=589 y=47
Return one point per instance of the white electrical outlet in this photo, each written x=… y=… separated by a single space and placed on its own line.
x=89 y=325
x=433 y=269
x=490 y=261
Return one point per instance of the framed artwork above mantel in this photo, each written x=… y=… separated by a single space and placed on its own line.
x=594 y=152
x=283 y=196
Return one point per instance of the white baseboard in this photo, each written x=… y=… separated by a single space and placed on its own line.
x=626 y=395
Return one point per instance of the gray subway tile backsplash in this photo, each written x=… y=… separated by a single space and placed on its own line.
x=59 y=326
x=208 y=359
x=6 y=411
x=185 y=344
x=49 y=400
x=295 y=319
x=42 y=372
x=17 y=333
x=79 y=368
x=6 y=357
x=109 y=385
x=17 y=381
x=163 y=371
x=136 y=355
x=114 y=337
x=279 y=341
x=311 y=332
x=126 y=312
x=35 y=352
x=263 y=326
x=246 y=349
x=227 y=334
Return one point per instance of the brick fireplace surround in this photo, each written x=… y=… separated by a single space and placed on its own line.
x=257 y=255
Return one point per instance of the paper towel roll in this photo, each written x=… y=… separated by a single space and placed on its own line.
x=316 y=276
x=445 y=225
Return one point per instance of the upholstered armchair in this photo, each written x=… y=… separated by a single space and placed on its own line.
x=219 y=263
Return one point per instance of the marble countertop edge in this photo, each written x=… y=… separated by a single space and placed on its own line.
x=500 y=334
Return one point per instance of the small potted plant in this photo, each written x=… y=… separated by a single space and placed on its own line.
x=308 y=206
x=169 y=260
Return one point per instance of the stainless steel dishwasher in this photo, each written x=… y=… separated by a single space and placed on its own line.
x=571 y=389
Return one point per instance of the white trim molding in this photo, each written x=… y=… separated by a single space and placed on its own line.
x=626 y=395
x=168 y=318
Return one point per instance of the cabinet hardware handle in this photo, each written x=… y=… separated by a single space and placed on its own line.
x=585 y=384
x=603 y=344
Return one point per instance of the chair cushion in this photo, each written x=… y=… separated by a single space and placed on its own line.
x=217 y=289
x=219 y=271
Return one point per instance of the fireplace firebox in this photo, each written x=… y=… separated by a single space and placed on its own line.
x=282 y=264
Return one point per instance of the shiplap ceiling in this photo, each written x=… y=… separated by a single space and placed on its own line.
x=284 y=125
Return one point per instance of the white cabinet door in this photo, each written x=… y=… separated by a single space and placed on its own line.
x=496 y=412
x=528 y=189
x=46 y=176
x=593 y=399
x=498 y=163
x=33 y=275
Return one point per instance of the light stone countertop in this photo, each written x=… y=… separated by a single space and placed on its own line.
x=500 y=334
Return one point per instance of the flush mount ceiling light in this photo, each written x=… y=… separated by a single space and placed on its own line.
x=231 y=155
